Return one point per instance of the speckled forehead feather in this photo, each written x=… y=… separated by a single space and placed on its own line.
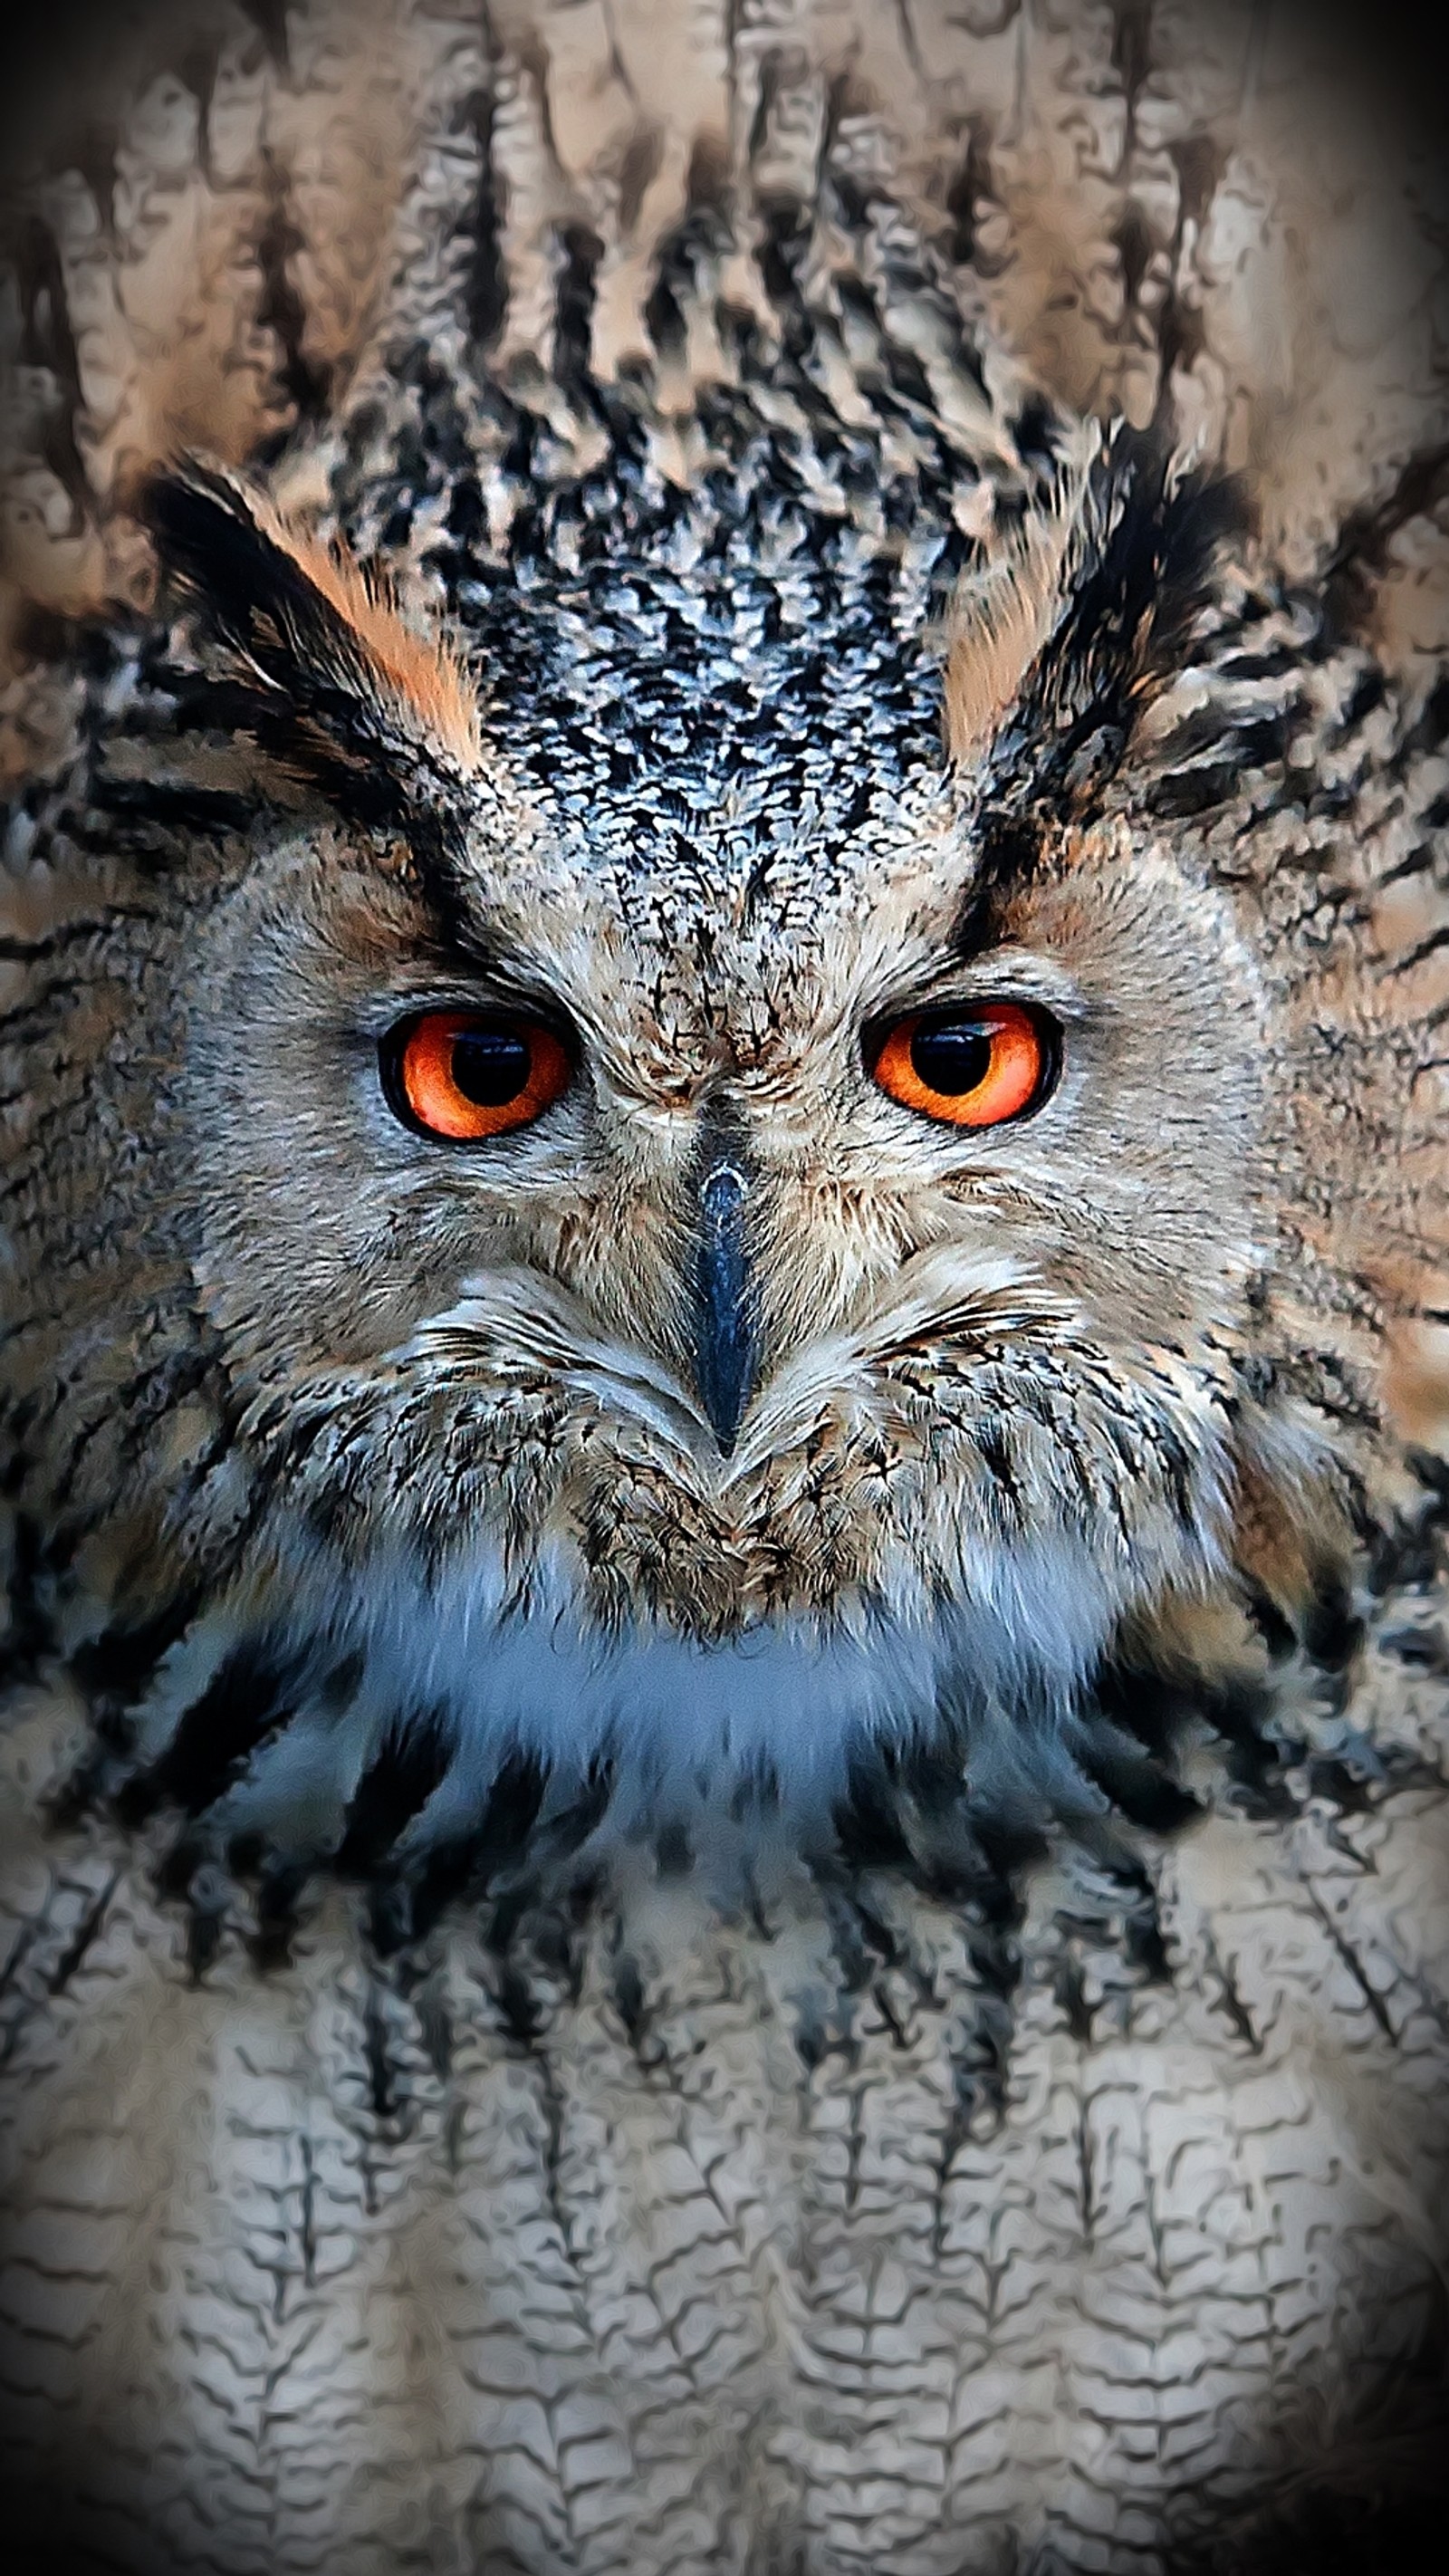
x=708 y=633
x=687 y=709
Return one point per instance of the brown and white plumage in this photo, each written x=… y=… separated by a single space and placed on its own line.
x=839 y=1967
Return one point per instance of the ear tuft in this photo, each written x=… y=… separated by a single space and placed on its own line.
x=1006 y=606
x=1063 y=641
x=343 y=689
x=425 y=676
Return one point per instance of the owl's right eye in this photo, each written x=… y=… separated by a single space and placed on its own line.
x=466 y=1075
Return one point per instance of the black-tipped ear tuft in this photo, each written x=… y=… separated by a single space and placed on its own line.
x=1139 y=570
x=334 y=684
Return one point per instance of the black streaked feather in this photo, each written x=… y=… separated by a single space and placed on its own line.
x=248 y=1700
x=307 y=689
x=1145 y=573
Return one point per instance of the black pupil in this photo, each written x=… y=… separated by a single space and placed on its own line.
x=953 y=1056
x=490 y=1066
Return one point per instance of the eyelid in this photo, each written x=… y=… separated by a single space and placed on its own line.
x=496 y=1000
x=1039 y=983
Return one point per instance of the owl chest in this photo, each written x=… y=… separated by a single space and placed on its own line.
x=690 y=2245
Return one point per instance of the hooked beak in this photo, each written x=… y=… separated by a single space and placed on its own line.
x=724 y=1324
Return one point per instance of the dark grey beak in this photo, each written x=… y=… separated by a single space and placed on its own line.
x=724 y=1343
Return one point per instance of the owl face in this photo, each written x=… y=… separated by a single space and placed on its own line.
x=679 y=1236
x=732 y=1275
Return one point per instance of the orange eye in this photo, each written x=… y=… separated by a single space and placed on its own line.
x=972 y=1067
x=468 y=1074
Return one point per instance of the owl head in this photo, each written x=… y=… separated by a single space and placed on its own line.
x=671 y=1205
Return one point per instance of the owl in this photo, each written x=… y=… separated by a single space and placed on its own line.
x=726 y=1383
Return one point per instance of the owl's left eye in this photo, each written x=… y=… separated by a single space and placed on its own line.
x=465 y=1075
x=975 y=1066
